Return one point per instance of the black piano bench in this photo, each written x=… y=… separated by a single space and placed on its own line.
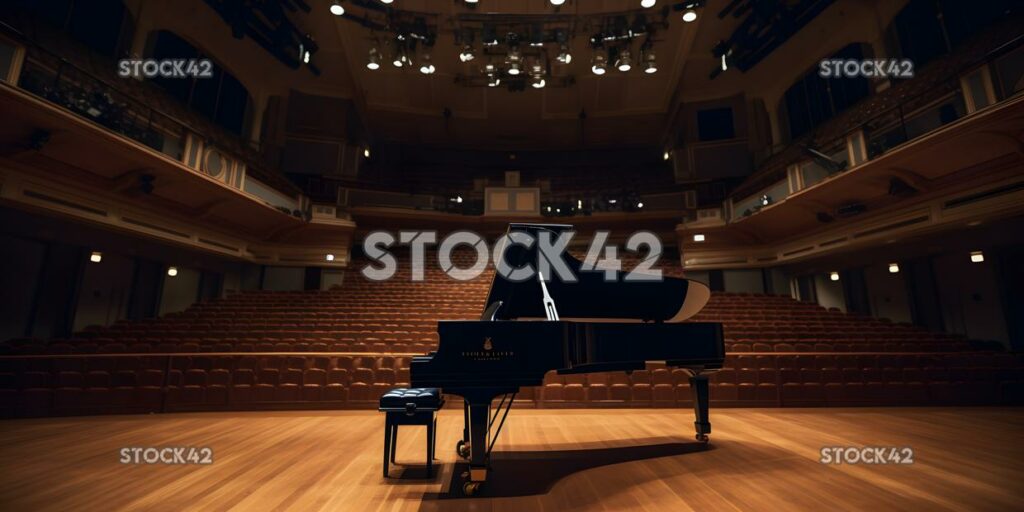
x=410 y=406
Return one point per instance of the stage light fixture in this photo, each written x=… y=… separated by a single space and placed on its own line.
x=538 y=82
x=599 y=64
x=698 y=237
x=514 y=61
x=400 y=59
x=650 y=63
x=894 y=268
x=96 y=257
x=493 y=80
x=647 y=4
x=690 y=16
x=467 y=53
x=373 y=61
x=329 y=257
x=337 y=9
x=563 y=55
x=426 y=66
x=172 y=271
x=766 y=200
x=977 y=257
x=624 y=62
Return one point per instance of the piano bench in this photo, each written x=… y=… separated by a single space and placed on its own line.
x=410 y=406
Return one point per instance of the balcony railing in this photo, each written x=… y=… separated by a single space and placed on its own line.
x=138 y=111
x=976 y=78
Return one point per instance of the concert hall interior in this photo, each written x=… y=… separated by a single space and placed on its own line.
x=512 y=254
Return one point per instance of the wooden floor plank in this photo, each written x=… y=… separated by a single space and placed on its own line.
x=760 y=459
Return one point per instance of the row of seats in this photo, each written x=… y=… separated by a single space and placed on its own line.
x=94 y=384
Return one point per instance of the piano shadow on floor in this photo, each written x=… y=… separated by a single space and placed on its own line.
x=528 y=473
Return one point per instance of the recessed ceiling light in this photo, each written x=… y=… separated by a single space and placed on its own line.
x=690 y=16
x=834 y=276
x=977 y=257
x=336 y=8
x=96 y=257
x=329 y=257
x=699 y=237
x=894 y=268
x=172 y=271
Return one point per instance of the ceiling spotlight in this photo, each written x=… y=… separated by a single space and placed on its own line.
x=725 y=65
x=624 y=62
x=599 y=63
x=766 y=200
x=563 y=55
x=977 y=257
x=833 y=276
x=698 y=237
x=400 y=59
x=647 y=4
x=172 y=271
x=513 y=60
x=366 y=152
x=386 y=1
x=650 y=64
x=329 y=257
x=666 y=155
x=894 y=268
x=690 y=15
x=426 y=67
x=640 y=204
x=337 y=9
x=467 y=53
x=556 y=3
x=96 y=257
x=373 y=61
x=538 y=82
x=472 y=1
x=493 y=80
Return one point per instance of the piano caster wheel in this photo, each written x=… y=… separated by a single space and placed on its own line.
x=462 y=449
x=703 y=438
x=470 y=488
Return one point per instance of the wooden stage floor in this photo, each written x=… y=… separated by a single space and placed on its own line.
x=760 y=459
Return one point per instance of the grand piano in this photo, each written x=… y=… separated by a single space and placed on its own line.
x=531 y=327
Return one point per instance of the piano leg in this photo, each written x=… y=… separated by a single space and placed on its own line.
x=479 y=422
x=699 y=385
x=462 y=448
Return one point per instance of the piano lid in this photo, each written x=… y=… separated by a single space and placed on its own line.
x=590 y=298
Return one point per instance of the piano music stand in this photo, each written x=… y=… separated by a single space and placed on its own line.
x=410 y=406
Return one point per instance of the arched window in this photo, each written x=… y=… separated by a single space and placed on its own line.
x=220 y=98
x=812 y=100
x=105 y=26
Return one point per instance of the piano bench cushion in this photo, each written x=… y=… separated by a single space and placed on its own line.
x=421 y=399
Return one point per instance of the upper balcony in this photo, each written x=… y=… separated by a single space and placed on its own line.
x=81 y=142
x=938 y=150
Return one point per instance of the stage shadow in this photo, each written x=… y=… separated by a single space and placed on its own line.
x=414 y=474
x=536 y=472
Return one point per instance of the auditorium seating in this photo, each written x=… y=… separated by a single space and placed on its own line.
x=342 y=348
